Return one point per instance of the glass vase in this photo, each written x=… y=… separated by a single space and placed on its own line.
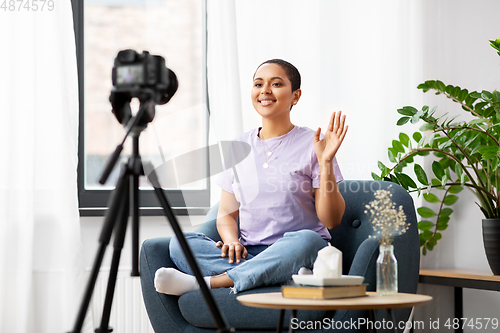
x=387 y=271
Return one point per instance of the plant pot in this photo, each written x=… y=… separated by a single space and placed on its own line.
x=491 y=239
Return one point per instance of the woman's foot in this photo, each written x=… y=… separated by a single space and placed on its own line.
x=173 y=282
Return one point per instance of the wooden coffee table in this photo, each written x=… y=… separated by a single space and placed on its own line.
x=370 y=302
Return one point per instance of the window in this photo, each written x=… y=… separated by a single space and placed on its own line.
x=175 y=30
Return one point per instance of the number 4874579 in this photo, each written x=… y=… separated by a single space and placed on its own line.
x=27 y=5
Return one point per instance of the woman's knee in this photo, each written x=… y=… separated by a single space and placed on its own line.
x=175 y=247
x=308 y=238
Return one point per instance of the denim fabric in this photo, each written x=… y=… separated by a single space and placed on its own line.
x=265 y=265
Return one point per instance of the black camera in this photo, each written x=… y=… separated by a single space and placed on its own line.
x=140 y=75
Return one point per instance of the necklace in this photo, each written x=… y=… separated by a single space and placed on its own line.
x=271 y=151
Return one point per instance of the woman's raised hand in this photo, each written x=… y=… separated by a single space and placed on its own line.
x=327 y=147
x=234 y=250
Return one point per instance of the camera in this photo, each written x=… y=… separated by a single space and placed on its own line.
x=140 y=75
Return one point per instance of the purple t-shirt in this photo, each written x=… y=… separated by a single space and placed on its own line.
x=279 y=198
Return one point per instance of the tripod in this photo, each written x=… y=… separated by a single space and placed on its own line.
x=126 y=191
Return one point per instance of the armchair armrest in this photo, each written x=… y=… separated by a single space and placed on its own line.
x=364 y=262
x=163 y=310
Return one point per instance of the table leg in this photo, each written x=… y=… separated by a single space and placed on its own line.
x=371 y=316
x=293 y=315
x=459 y=310
x=281 y=318
x=391 y=316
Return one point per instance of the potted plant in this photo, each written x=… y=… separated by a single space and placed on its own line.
x=465 y=154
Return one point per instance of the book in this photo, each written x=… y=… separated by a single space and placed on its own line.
x=318 y=292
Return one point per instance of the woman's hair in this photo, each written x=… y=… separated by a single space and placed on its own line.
x=291 y=71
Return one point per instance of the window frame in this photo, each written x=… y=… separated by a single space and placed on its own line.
x=94 y=202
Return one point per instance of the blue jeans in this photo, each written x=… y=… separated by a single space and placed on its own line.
x=265 y=264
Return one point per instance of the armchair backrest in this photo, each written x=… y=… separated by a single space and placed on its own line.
x=355 y=227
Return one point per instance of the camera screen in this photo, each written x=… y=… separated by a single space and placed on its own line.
x=130 y=75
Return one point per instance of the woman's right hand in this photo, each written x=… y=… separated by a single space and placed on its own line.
x=234 y=251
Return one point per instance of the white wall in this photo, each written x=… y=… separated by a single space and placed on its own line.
x=457 y=52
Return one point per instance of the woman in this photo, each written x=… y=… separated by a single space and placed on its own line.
x=284 y=195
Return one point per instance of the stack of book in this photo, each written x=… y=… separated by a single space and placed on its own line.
x=312 y=287
x=319 y=292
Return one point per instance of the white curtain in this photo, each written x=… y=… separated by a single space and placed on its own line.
x=40 y=253
x=362 y=57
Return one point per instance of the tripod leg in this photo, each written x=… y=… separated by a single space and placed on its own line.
x=121 y=230
x=104 y=238
x=217 y=316
x=135 y=217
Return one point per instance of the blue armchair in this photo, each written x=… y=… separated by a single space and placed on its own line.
x=189 y=313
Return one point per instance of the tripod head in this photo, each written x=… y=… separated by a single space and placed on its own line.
x=135 y=126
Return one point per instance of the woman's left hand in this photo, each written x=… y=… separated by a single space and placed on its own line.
x=327 y=147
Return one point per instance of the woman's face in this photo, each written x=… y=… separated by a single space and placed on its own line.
x=272 y=94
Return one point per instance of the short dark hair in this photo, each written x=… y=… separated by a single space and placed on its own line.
x=291 y=71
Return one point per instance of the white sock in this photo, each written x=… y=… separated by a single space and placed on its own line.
x=305 y=271
x=173 y=282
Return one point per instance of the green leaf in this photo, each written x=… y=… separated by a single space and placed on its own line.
x=402 y=181
x=429 y=197
x=496 y=96
x=431 y=140
x=458 y=170
x=417 y=136
x=477 y=121
x=404 y=139
x=426 y=127
x=375 y=176
x=390 y=154
x=444 y=181
x=475 y=95
x=463 y=179
x=488 y=152
x=403 y=120
x=463 y=94
x=421 y=175
x=407 y=111
x=494 y=164
x=398 y=146
x=441 y=226
x=424 y=86
x=416 y=117
x=383 y=168
x=407 y=180
x=486 y=95
x=440 y=86
x=427 y=235
x=438 y=170
x=446 y=212
x=450 y=199
x=443 y=219
x=435 y=182
x=425 y=225
x=421 y=143
x=455 y=189
x=425 y=212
